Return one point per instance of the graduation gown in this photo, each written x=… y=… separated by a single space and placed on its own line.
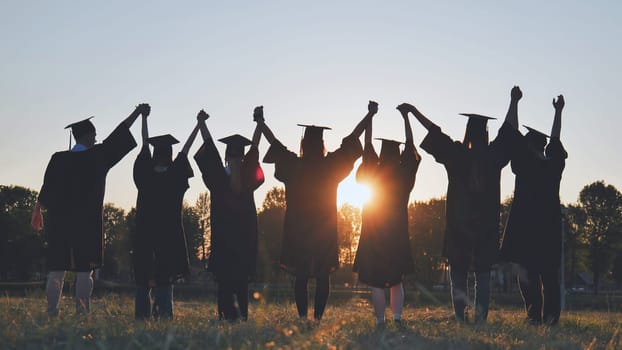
x=473 y=191
x=384 y=252
x=159 y=249
x=533 y=234
x=73 y=194
x=233 y=241
x=309 y=244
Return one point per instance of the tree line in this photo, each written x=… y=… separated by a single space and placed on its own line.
x=593 y=237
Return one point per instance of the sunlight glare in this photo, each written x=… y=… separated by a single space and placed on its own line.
x=351 y=192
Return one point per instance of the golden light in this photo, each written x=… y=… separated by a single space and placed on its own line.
x=351 y=192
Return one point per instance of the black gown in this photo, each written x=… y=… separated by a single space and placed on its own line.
x=473 y=191
x=233 y=241
x=73 y=194
x=309 y=245
x=159 y=248
x=384 y=253
x=533 y=234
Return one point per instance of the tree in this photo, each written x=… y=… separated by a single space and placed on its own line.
x=202 y=208
x=270 y=231
x=602 y=206
x=426 y=227
x=194 y=234
x=349 y=229
x=117 y=244
x=575 y=243
x=21 y=248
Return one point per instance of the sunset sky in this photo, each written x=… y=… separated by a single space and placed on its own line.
x=309 y=62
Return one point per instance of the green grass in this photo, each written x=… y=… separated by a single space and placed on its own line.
x=350 y=325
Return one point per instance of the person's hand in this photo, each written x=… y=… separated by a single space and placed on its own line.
x=559 y=104
x=372 y=107
x=202 y=116
x=516 y=94
x=404 y=108
x=258 y=114
x=144 y=109
x=37 y=220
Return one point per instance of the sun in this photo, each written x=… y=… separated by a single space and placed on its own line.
x=351 y=192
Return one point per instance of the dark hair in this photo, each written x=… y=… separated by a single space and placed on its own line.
x=310 y=146
x=476 y=134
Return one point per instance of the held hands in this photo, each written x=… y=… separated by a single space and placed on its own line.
x=372 y=107
x=202 y=116
x=144 y=109
x=559 y=104
x=516 y=94
x=258 y=114
x=404 y=108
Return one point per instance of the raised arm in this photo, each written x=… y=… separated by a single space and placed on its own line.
x=201 y=118
x=407 y=128
x=144 y=130
x=265 y=130
x=427 y=123
x=191 y=138
x=557 y=121
x=258 y=118
x=368 y=134
x=372 y=109
x=512 y=116
x=142 y=109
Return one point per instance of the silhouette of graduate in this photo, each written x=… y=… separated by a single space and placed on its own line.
x=159 y=249
x=73 y=194
x=533 y=236
x=473 y=166
x=309 y=246
x=233 y=250
x=383 y=256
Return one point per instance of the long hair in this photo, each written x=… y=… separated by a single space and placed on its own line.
x=476 y=134
x=312 y=147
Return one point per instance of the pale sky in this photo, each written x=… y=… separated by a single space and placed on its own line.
x=309 y=62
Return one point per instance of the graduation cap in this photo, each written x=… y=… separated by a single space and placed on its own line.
x=81 y=128
x=535 y=132
x=536 y=138
x=390 y=148
x=476 y=128
x=235 y=145
x=162 y=145
x=478 y=117
x=313 y=132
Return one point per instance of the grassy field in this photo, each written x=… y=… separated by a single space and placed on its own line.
x=349 y=325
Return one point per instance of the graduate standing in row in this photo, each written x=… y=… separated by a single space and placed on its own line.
x=533 y=236
x=473 y=200
x=233 y=243
x=159 y=250
x=384 y=254
x=309 y=246
x=73 y=195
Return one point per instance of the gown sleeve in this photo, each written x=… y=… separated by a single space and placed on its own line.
x=440 y=146
x=284 y=161
x=211 y=166
x=48 y=194
x=410 y=160
x=252 y=173
x=505 y=144
x=343 y=158
x=119 y=143
x=141 y=166
x=557 y=155
x=366 y=170
x=182 y=168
